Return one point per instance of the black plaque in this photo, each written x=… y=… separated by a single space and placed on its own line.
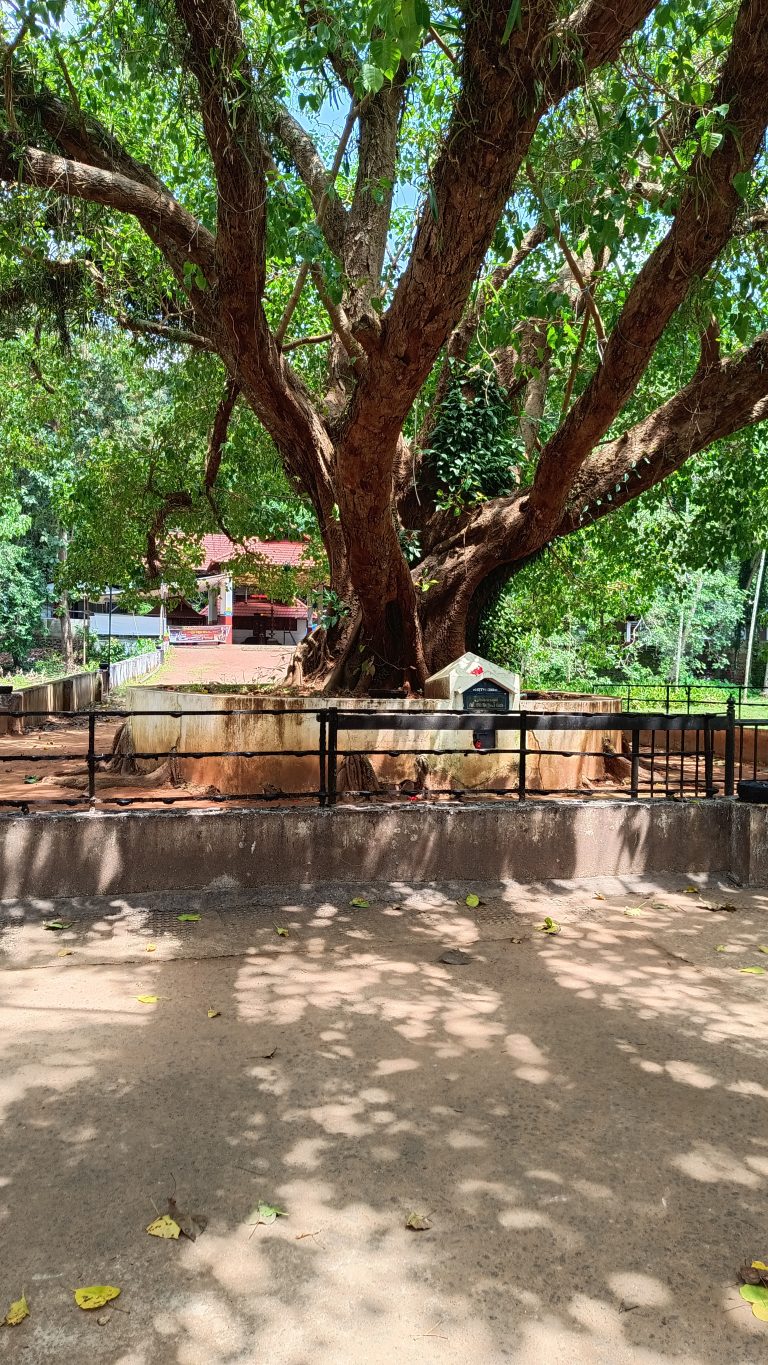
x=486 y=695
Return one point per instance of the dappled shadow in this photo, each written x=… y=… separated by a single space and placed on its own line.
x=582 y=1117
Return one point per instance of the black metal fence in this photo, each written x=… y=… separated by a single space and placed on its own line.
x=660 y=755
x=674 y=697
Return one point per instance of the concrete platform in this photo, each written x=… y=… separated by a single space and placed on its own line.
x=140 y=851
x=581 y=1116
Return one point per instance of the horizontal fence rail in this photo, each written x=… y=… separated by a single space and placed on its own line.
x=661 y=755
x=671 y=697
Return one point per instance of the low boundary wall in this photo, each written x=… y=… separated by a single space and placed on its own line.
x=75 y=691
x=122 y=853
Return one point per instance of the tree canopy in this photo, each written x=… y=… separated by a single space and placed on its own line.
x=475 y=275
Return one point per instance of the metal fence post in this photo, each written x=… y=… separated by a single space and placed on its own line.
x=709 y=788
x=522 y=758
x=667 y=700
x=634 y=779
x=333 y=752
x=323 y=757
x=91 y=755
x=730 y=747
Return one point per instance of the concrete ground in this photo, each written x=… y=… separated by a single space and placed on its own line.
x=220 y=664
x=581 y=1117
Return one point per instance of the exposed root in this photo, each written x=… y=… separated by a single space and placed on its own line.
x=356 y=774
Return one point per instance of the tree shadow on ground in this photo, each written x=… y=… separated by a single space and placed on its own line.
x=582 y=1118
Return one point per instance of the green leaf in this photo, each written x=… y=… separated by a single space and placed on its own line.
x=752 y=971
x=372 y=78
x=549 y=926
x=58 y=924
x=188 y=919
x=265 y=1213
x=754 y=1293
x=385 y=55
x=359 y=903
x=741 y=182
x=472 y=901
x=513 y=21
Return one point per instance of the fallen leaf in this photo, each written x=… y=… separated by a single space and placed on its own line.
x=58 y=923
x=360 y=903
x=104 y=1319
x=757 y=1295
x=472 y=901
x=455 y=957
x=164 y=1227
x=147 y=999
x=758 y=1265
x=763 y=948
x=598 y=897
x=283 y=933
x=187 y=919
x=721 y=948
x=151 y=948
x=752 y=971
x=417 y=1222
x=64 y=952
x=214 y=1014
x=517 y=940
x=549 y=926
x=31 y=779
x=633 y=910
x=691 y=891
x=265 y=1213
x=95 y=1295
x=18 y=1311
x=716 y=909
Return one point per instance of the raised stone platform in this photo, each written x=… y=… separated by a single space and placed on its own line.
x=128 y=852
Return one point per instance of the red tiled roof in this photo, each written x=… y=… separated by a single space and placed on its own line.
x=217 y=549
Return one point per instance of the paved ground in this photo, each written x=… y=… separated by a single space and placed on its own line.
x=582 y=1117
x=222 y=664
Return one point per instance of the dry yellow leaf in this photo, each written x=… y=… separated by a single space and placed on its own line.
x=18 y=1311
x=759 y=1265
x=214 y=1014
x=164 y=1227
x=147 y=999
x=151 y=948
x=95 y=1295
x=64 y=952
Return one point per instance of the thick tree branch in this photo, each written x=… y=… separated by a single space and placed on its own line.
x=30 y=166
x=506 y=88
x=722 y=398
x=702 y=226
x=217 y=58
x=329 y=210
